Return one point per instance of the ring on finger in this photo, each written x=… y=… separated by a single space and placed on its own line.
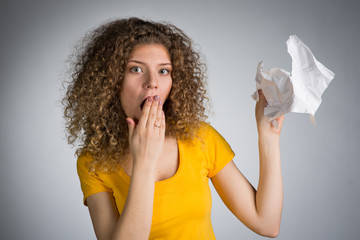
x=157 y=126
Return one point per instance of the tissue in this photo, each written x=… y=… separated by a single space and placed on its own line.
x=299 y=91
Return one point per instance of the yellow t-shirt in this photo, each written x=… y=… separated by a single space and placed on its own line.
x=182 y=203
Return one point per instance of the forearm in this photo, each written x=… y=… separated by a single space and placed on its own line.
x=146 y=141
x=136 y=217
x=269 y=196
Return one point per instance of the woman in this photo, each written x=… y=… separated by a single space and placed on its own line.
x=136 y=104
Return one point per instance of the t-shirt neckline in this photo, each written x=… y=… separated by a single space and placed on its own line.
x=170 y=179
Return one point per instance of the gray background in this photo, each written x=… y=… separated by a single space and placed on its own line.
x=40 y=192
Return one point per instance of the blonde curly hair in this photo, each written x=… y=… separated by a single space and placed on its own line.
x=92 y=108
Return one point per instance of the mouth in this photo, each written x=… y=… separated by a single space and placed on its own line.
x=143 y=102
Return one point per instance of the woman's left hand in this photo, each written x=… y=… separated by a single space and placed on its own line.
x=263 y=124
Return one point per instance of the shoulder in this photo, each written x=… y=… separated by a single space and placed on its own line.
x=207 y=138
x=84 y=159
x=204 y=129
x=214 y=148
x=83 y=163
x=206 y=132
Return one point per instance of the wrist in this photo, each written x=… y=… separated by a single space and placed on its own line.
x=268 y=130
x=268 y=137
x=143 y=165
x=143 y=173
x=269 y=146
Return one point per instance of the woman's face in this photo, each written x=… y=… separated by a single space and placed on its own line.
x=147 y=74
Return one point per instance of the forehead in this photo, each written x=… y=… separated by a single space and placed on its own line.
x=150 y=51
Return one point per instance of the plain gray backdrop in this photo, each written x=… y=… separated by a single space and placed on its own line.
x=40 y=191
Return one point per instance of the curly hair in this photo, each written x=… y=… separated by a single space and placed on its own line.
x=92 y=107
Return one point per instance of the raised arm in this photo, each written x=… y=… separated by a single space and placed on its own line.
x=146 y=143
x=259 y=210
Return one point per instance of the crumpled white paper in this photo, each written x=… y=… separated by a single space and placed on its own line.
x=299 y=92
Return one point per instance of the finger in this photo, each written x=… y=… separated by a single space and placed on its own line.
x=280 y=120
x=162 y=124
x=145 y=112
x=260 y=108
x=131 y=126
x=153 y=112
x=158 y=115
x=260 y=105
x=262 y=97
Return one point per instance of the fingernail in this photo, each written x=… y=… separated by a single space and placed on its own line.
x=156 y=97
x=149 y=99
x=160 y=102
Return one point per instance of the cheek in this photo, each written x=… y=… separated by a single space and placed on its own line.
x=123 y=101
x=128 y=89
x=167 y=90
x=126 y=95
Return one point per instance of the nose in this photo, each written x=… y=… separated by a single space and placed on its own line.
x=151 y=81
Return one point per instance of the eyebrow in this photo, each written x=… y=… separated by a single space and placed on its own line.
x=139 y=62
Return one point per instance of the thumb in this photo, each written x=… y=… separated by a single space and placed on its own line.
x=262 y=98
x=131 y=126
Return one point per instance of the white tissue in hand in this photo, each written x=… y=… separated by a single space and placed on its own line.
x=299 y=92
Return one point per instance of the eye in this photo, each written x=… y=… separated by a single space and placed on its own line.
x=135 y=70
x=164 y=71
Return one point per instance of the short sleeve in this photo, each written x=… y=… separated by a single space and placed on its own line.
x=218 y=151
x=90 y=182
